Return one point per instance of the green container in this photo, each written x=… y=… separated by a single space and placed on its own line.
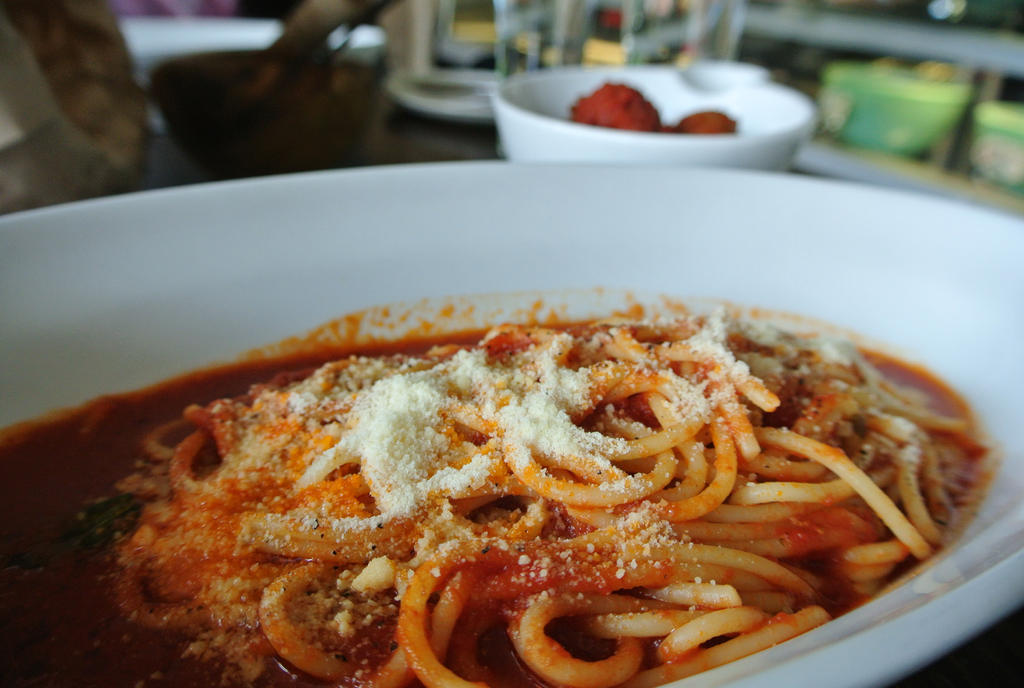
x=997 y=153
x=889 y=109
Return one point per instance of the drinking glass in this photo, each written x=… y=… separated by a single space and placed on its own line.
x=681 y=31
x=532 y=34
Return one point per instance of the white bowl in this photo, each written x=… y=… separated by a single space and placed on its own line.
x=119 y=292
x=532 y=114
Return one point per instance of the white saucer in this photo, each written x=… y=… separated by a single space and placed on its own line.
x=457 y=95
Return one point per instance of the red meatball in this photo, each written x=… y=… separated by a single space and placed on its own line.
x=708 y=122
x=617 y=106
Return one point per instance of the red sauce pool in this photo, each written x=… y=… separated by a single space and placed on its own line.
x=58 y=616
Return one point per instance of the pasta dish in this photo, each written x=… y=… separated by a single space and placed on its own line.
x=619 y=503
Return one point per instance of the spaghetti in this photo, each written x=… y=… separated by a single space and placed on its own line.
x=619 y=503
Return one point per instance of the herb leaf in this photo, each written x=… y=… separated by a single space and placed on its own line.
x=98 y=523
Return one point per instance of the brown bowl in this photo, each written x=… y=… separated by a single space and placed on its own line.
x=249 y=113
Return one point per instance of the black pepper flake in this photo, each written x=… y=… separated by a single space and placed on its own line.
x=394 y=646
x=485 y=550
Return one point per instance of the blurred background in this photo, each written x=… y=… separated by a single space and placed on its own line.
x=926 y=95
x=913 y=94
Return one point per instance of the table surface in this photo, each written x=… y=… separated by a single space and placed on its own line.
x=392 y=136
x=395 y=136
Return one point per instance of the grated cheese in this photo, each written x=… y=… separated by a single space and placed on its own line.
x=377 y=575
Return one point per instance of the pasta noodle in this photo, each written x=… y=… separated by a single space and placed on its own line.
x=615 y=503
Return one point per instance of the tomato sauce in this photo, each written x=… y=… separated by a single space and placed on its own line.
x=58 y=613
x=943 y=400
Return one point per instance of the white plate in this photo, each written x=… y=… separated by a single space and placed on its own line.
x=151 y=40
x=111 y=294
x=455 y=95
